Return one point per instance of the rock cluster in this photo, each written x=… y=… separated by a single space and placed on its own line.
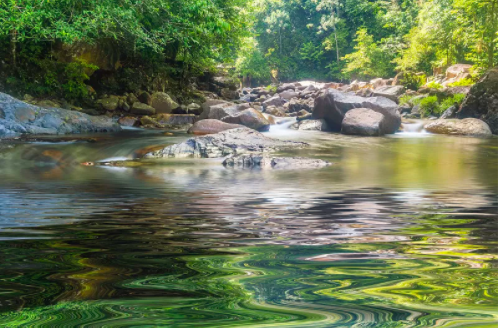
x=18 y=117
x=229 y=142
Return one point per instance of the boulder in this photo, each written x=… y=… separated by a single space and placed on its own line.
x=194 y=108
x=266 y=161
x=229 y=142
x=275 y=111
x=162 y=103
x=364 y=122
x=457 y=70
x=482 y=101
x=208 y=126
x=311 y=125
x=286 y=86
x=296 y=105
x=274 y=101
x=288 y=94
x=145 y=98
x=332 y=105
x=214 y=109
x=18 y=117
x=467 y=127
x=390 y=92
x=175 y=120
x=109 y=104
x=131 y=99
x=449 y=112
x=142 y=109
x=229 y=94
x=250 y=118
x=127 y=121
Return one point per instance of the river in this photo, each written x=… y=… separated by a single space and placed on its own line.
x=400 y=231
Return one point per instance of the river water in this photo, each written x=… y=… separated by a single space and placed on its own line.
x=400 y=231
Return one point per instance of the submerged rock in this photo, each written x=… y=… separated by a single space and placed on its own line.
x=468 y=127
x=268 y=162
x=18 y=117
x=230 y=142
x=332 y=105
x=364 y=122
x=204 y=127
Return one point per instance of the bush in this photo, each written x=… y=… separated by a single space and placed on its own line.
x=462 y=83
x=413 y=81
x=434 y=85
x=450 y=101
x=429 y=105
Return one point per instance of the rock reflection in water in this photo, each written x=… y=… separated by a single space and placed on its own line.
x=384 y=238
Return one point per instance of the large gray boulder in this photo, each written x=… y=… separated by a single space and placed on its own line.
x=288 y=94
x=331 y=105
x=467 y=127
x=219 y=111
x=18 y=117
x=250 y=118
x=265 y=161
x=208 y=126
x=390 y=92
x=482 y=101
x=162 y=103
x=276 y=101
x=364 y=122
x=230 y=142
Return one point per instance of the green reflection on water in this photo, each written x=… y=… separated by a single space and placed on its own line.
x=443 y=276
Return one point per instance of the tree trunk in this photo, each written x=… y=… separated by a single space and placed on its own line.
x=336 y=41
x=494 y=30
x=13 y=48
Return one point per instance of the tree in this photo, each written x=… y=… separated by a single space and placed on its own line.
x=368 y=60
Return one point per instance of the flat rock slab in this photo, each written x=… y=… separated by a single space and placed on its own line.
x=18 y=117
x=465 y=127
x=230 y=142
x=266 y=161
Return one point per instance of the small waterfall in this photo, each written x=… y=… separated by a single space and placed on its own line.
x=283 y=125
x=414 y=127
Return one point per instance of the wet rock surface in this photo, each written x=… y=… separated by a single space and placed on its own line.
x=364 y=122
x=332 y=106
x=467 y=127
x=230 y=142
x=266 y=161
x=18 y=117
x=208 y=126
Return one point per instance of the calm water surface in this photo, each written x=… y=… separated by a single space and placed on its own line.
x=399 y=232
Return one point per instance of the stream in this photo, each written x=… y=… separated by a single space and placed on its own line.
x=400 y=231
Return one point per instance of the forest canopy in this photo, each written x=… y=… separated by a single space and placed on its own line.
x=262 y=39
x=349 y=39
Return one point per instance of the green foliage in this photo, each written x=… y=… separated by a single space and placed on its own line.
x=434 y=105
x=368 y=60
x=271 y=88
x=462 y=83
x=413 y=81
x=406 y=100
x=456 y=99
x=429 y=105
x=434 y=85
